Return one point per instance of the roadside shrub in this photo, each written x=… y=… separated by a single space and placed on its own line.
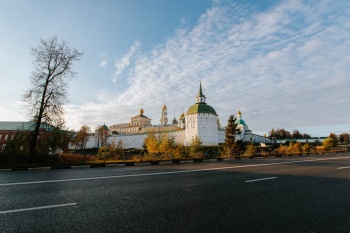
x=148 y=157
x=164 y=156
x=282 y=150
x=103 y=153
x=73 y=158
x=250 y=151
x=136 y=158
x=320 y=149
x=329 y=143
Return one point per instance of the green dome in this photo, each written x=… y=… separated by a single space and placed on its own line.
x=175 y=121
x=201 y=108
x=104 y=126
x=240 y=122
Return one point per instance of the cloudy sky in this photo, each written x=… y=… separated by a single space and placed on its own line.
x=283 y=64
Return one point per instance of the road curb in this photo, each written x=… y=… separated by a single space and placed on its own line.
x=165 y=162
x=60 y=167
x=38 y=168
x=115 y=165
x=6 y=170
x=80 y=166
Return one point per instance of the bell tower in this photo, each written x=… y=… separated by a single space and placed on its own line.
x=164 y=118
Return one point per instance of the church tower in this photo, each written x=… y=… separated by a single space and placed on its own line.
x=245 y=134
x=201 y=121
x=164 y=118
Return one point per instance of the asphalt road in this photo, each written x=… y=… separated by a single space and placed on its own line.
x=292 y=194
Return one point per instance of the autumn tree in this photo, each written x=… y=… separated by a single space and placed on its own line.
x=282 y=150
x=151 y=143
x=166 y=144
x=116 y=150
x=298 y=149
x=272 y=133
x=231 y=131
x=290 y=148
x=196 y=147
x=82 y=137
x=282 y=133
x=306 y=148
x=102 y=133
x=53 y=63
x=296 y=134
x=180 y=150
x=344 y=138
x=330 y=142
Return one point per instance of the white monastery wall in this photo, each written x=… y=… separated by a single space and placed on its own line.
x=133 y=140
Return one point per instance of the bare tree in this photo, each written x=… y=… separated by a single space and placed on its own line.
x=296 y=134
x=49 y=81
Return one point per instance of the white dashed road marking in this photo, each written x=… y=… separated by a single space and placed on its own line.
x=343 y=167
x=270 y=178
x=36 y=208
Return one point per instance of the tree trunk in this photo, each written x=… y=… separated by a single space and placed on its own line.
x=33 y=143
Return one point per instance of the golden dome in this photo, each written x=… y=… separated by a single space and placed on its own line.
x=239 y=113
x=164 y=107
x=141 y=111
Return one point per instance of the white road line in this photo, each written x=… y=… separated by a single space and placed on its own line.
x=343 y=167
x=270 y=178
x=36 y=208
x=166 y=173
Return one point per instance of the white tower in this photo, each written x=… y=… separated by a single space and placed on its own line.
x=164 y=118
x=201 y=122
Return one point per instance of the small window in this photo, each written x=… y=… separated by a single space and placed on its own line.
x=12 y=137
x=3 y=146
x=0 y=136
x=6 y=137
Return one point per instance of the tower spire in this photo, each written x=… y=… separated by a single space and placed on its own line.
x=200 y=98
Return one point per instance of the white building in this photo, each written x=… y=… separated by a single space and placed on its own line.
x=200 y=120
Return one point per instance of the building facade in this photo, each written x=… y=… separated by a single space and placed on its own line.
x=8 y=130
x=200 y=121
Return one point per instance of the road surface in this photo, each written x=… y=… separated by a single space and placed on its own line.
x=292 y=194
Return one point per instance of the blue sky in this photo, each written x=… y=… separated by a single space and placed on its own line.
x=283 y=64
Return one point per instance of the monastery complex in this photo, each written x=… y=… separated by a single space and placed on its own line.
x=200 y=120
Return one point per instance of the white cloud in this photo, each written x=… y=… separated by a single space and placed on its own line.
x=284 y=67
x=103 y=63
x=122 y=63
